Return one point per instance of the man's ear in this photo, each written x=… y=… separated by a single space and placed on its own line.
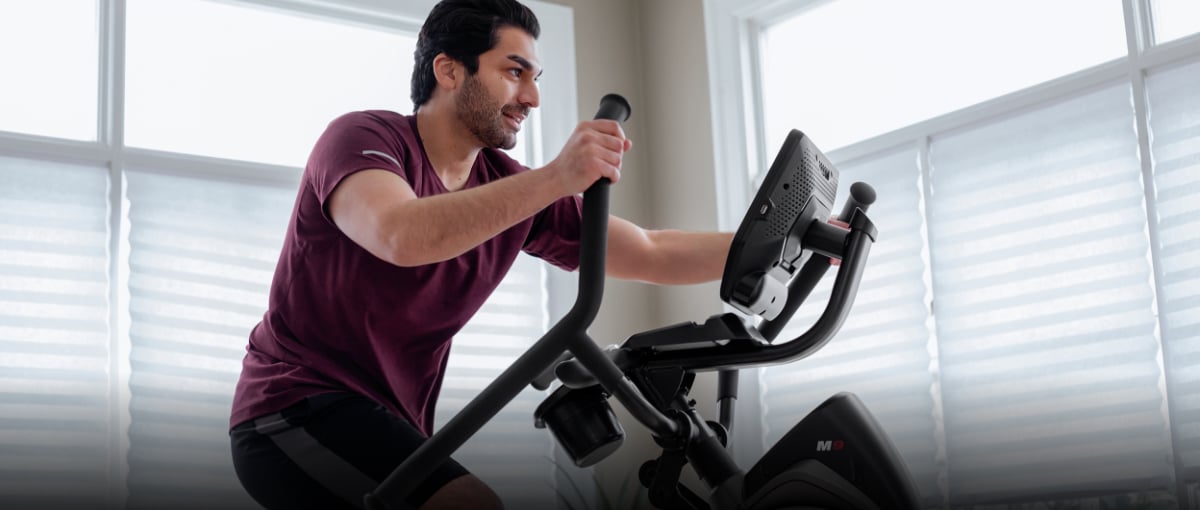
x=448 y=72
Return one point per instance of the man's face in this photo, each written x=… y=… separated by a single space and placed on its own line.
x=494 y=102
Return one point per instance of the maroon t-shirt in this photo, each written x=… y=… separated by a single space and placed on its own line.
x=342 y=319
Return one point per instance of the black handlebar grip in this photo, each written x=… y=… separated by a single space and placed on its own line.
x=613 y=107
x=862 y=195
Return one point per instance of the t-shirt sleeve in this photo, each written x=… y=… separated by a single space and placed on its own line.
x=556 y=232
x=351 y=143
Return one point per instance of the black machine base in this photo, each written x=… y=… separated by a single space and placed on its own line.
x=842 y=453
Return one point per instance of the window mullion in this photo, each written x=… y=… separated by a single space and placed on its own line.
x=756 y=121
x=1139 y=25
x=111 y=100
x=1139 y=35
x=110 y=120
x=923 y=165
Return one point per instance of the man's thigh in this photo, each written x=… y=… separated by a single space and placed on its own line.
x=328 y=451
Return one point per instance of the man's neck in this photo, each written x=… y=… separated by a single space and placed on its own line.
x=450 y=147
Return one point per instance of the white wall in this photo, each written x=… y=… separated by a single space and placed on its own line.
x=653 y=53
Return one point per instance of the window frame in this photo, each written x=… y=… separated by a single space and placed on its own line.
x=734 y=29
x=733 y=52
x=551 y=128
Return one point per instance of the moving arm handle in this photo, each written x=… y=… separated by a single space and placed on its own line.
x=593 y=248
x=591 y=263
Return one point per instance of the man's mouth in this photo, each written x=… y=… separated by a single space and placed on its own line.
x=515 y=117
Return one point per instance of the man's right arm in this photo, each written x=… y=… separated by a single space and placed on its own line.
x=380 y=212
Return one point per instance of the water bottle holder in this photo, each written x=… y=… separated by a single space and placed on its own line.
x=582 y=421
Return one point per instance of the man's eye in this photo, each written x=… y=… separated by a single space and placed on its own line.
x=516 y=72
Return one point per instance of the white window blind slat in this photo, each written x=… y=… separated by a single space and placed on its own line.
x=883 y=352
x=1045 y=306
x=201 y=257
x=1175 y=145
x=55 y=421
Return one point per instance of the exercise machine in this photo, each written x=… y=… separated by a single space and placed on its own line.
x=836 y=458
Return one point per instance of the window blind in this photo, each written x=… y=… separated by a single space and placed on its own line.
x=884 y=351
x=1046 y=328
x=1175 y=146
x=55 y=420
x=508 y=454
x=201 y=257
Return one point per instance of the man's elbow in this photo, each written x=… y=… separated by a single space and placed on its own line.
x=412 y=249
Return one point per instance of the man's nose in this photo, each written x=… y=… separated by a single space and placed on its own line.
x=529 y=95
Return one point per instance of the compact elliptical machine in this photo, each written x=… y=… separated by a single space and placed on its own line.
x=836 y=458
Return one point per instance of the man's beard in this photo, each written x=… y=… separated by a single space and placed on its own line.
x=484 y=118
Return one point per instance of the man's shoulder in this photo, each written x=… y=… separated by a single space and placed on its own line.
x=385 y=118
x=364 y=139
x=377 y=129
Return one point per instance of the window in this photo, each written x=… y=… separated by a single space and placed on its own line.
x=1174 y=108
x=1174 y=19
x=851 y=69
x=137 y=244
x=883 y=352
x=52 y=91
x=284 y=77
x=55 y=314
x=1044 y=304
x=200 y=256
x=1026 y=327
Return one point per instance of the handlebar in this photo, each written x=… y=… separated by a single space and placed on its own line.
x=853 y=247
x=659 y=351
x=861 y=197
x=845 y=287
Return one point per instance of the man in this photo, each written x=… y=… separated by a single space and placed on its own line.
x=403 y=226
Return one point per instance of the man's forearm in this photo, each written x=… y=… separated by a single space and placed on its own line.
x=441 y=227
x=669 y=257
x=686 y=257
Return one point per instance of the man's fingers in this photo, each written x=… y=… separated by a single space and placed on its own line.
x=608 y=127
x=601 y=144
x=613 y=129
x=607 y=141
x=612 y=158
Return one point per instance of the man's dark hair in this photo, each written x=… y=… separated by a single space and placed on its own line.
x=463 y=29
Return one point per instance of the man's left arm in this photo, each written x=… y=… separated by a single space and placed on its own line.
x=670 y=257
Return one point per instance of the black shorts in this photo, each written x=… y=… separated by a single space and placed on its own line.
x=327 y=452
